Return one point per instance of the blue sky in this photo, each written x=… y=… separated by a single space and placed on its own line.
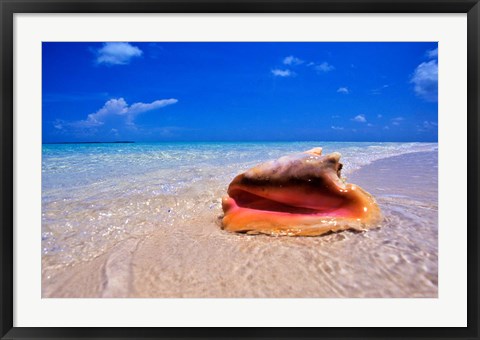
x=239 y=92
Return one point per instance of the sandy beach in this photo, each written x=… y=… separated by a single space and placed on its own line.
x=193 y=257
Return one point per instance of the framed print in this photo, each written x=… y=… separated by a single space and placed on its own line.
x=258 y=169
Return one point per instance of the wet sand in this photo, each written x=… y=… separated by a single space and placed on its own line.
x=195 y=258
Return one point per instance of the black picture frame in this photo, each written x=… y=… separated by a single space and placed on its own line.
x=9 y=7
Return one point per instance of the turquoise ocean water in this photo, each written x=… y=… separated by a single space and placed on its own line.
x=95 y=196
x=78 y=165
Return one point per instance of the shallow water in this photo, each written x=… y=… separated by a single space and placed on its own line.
x=132 y=220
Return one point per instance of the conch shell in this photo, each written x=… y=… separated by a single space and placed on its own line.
x=299 y=194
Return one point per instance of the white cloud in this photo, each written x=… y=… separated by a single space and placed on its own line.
x=58 y=124
x=343 y=90
x=282 y=73
x=337 y=127
x=137 y=108
x=324 y=67
x=426 y=126
x=386 y=127
x=379 y=90
x=397 y=120
x=429 y=125
x=425 y=80
x=119 y=107
x=369 y=124
x=432 y=53
x=360 y=119
x=379 y=116
x=114 y=132
x=291 y=60
x=294 y=61
x=117 y=53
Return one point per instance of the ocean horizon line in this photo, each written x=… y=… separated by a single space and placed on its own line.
x=231 y=142
x=96 y=142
